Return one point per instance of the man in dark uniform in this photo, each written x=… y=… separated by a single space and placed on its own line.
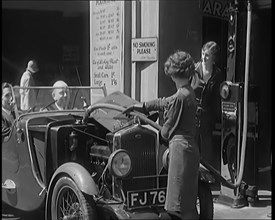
x=7 y=110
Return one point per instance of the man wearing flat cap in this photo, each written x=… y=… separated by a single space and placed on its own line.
x=28 y=96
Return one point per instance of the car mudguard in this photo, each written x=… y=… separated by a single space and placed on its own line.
x=79 y=174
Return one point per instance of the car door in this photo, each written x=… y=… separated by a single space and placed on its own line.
x=20 y=186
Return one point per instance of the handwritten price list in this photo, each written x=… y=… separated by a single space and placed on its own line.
x=106 y=44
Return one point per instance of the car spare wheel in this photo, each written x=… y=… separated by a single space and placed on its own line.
x=68 y=202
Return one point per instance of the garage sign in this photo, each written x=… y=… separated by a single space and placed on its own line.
x=217 y=8
x=144 y=49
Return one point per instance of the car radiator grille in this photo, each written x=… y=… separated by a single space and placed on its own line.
x=140 y=142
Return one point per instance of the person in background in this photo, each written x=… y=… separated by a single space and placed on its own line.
x=206 y=83
x=60 y=95
x=179 y=130
x=8 y=115
x=28 y=96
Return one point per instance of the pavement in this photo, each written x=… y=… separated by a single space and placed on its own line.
x=261 y=210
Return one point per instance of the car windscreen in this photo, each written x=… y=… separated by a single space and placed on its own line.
x=35 y=99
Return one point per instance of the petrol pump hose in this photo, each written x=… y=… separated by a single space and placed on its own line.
x=244 y=136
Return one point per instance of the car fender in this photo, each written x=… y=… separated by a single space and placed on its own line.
x=79 y=174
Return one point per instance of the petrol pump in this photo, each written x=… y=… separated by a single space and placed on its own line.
x=239 y=125
x=238 y=163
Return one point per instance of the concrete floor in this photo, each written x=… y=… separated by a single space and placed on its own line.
x=261 y=210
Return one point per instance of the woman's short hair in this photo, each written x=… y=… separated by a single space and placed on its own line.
x=179 y=65
x=212 y=48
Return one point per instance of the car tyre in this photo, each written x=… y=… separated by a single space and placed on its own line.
x=69 y=202
x=205 y=199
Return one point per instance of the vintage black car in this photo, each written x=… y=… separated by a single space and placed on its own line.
x=89 y=162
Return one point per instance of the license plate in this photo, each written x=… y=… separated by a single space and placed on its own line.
x=145 y=198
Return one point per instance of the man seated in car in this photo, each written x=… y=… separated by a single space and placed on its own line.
x=60 y=95
x=8 y=115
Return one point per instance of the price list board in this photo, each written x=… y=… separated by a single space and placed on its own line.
x=106 y=44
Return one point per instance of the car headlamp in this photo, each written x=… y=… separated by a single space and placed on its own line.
x=120 y=163
x=225 y=90
x=165 y=159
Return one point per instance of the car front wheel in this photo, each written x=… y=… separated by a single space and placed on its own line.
x=68 y=202
x=205 y=205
